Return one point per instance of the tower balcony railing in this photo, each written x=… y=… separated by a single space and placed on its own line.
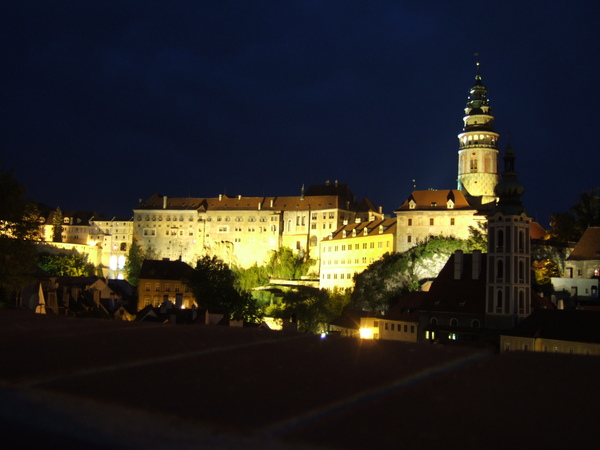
x=472 y=144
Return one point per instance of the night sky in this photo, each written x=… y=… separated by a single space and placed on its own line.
x=108 y=102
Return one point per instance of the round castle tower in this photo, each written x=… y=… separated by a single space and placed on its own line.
x=478 y=149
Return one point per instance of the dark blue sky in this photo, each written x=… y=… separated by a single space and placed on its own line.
x=106 y=102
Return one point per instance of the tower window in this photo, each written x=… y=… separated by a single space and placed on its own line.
x=473 y=164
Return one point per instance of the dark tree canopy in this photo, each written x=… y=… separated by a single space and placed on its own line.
x=570 y=226
x=70 y=264
x=213 y=284
x=397 y=274
x=19 y=226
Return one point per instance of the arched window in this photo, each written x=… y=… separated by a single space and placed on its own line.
x=500 y=239
x=475 y=323
x=499 y=301
x=521 y=302
x=521 y=240
x=433 y=321
x=521 y=271
x=500 y=269
x=453 y=322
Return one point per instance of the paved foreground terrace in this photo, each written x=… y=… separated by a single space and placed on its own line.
x=85 y=383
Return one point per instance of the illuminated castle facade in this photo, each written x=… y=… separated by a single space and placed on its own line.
x=478 y=149
x=243 y=231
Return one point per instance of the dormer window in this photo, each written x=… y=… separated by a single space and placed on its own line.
x=450 y=204
x=412 y=204
x=433 y=204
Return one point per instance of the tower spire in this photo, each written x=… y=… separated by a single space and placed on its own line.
x=478 y=148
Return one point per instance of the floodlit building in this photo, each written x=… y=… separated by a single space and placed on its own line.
x=114 y=238
x=572 y=332
x=242 y=230
x=161 y=282
x=351 y=248
x=434 y=213
x=581 y=280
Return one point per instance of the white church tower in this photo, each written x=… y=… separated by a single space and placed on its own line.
x=478 y=149
x=508 y=295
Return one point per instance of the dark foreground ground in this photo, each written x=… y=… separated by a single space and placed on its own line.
x=77 y=383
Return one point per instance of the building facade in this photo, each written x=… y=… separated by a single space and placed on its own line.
x=434 y=213
x=351 y=248
x=243 y=231
x=162 y=282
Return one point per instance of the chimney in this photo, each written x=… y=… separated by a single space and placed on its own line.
x=259 y=205
x=336 y=183
x=165 y=198
x=458 y=264
x=220 y=197
x=476 y=264
x=381 y=210
x=272 y=202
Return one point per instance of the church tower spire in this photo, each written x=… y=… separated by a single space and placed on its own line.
x=478 y=149
x=508 y=296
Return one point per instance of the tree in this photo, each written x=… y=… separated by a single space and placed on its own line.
x=71 y=264
x=477 y=238
x=19 y=227
x=133 y=265
x=547 y=261
x=213 y=284
x=286 y=264
x=570 y=226
x=308 y=305
x=397 y=274
x=57 y=226
x=250 y=278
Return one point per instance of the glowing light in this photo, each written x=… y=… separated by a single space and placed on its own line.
x=323 y=335
x=366 y=333
x=112 y=264
x=121 y=262
x=92 y=243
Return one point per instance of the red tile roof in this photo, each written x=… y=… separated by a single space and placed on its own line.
x=436 y=200
x=389 y=227
x=588 y=247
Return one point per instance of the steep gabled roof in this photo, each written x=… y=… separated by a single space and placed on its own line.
x=434 y=200
x=153 y=269
x=536 y=231
x=462 y=295
x=588 y=247
x=407 y=309
x=388 y=226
